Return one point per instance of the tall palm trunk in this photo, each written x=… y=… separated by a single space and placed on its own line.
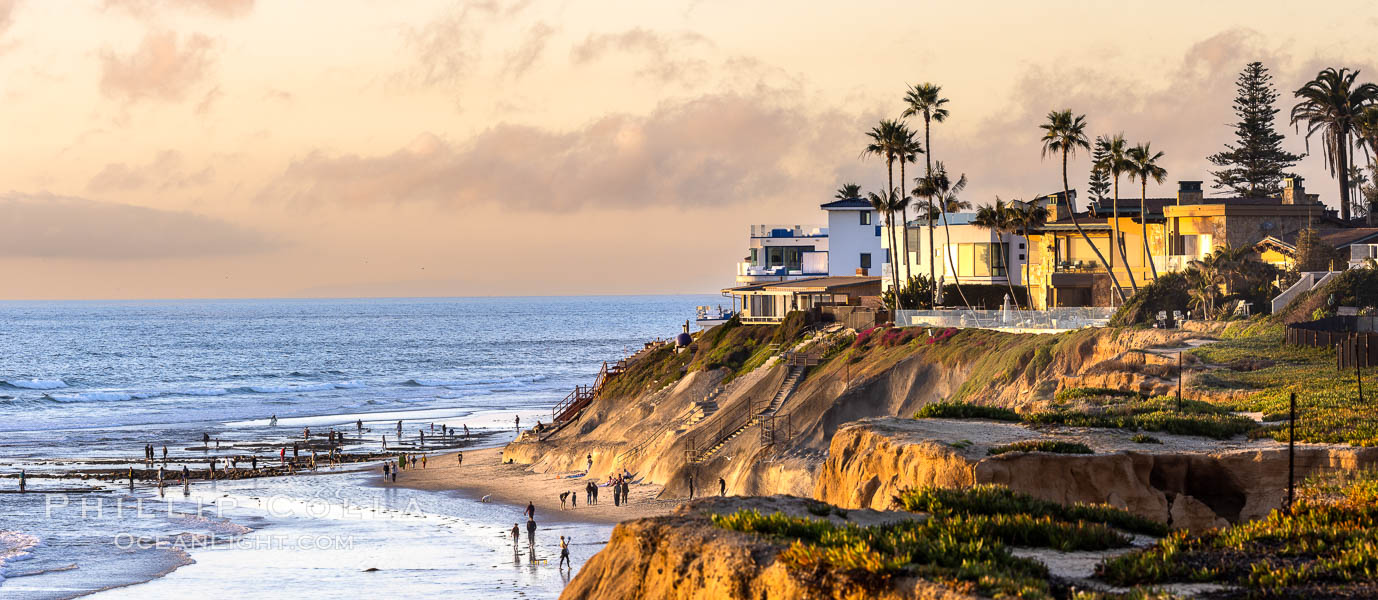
x=947 y=247
x=1072 y=212
x=1005 y=260
x=904 y=225
x=928 y=159
x=890 y=225
x=1344 y=176
x=1143 y=223
x=1116 y=243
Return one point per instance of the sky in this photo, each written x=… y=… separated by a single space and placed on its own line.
x=347 y=148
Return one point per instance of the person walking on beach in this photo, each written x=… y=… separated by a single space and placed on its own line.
x=423 y=438
x=616 y=494
x=516 y=536
x=519 y=423
x=399 y=430
x=626 y=492
x=386 y=469
x=131 y=479
x=531 y=534
x=212 y=468
x=253 y=462
x=164 y=454
x=588 y=494
x=573 y=499
x=23 y=480
x=564 y=553
x=466 y=432
x=461 y=457
x=359 y=425
x=691 y=486
x=590 y=467
x=722 y=487
x=530 y=511
x=186 y=475
x=564 y=497
x=273 y=422
x=423 y=461
x=282 y=454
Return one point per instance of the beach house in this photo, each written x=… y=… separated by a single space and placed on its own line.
x=765 y=303
x=1065 y=271
x=849 y=245
x=972 y=255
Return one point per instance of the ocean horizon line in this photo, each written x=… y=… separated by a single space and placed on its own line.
x=309 y=298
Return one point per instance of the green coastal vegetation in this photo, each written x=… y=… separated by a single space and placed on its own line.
x=964 y=542
x=1325 y=547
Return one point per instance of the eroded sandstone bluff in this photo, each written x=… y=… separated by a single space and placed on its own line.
x=1184 y=482
x=686 y=557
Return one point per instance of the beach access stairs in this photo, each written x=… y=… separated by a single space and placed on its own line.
x=1309 y=280
x=751 y=413
x=568 y=408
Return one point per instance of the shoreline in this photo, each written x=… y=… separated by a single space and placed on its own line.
x=481 y=475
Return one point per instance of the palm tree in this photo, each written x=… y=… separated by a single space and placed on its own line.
x=1330 y=104
x=887 y=141
x=1116 y=163
x=1026 y=216
x=1143 y=164
x=883 y=203
x=1064 y=134
x=999 y=217
x=848 y=191
x=909 y=149
x=926 y=100
x=940 y=187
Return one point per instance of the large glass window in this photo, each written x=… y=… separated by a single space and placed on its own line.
x=789 y=257
x=865 y=217
x=980 y=259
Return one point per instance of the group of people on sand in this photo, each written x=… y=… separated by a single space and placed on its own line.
x=404 y=462
x=530 y=513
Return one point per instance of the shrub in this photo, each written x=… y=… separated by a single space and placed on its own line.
x=987 y=499
x=1167 y=293
x=1054 y=446
x=957 y=410
x=1140 y=438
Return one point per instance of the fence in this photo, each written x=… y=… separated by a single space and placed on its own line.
x=1353 y=338
x=1052 y=319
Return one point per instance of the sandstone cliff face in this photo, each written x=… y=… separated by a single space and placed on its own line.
x=1186 y=483
x=685 y=557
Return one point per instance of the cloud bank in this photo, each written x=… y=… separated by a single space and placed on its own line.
x=715 y=150
x=49 y=226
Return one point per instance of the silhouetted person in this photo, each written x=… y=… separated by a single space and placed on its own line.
x=722 y=487
x=691 y=486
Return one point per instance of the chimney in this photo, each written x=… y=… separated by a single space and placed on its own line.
x=1189 y=192
x=1293 y=192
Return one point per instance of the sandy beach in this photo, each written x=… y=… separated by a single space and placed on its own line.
x=482 y=475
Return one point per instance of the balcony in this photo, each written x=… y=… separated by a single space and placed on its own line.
x=1079 y=266
x=788 y=231
x=749 y=273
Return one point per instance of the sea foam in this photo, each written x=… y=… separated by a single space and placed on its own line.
x=36 y=384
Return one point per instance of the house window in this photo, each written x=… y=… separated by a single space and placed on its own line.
x=865 y=217
x=865 y=260
x=755 y=257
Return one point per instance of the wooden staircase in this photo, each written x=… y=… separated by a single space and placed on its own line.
x=754 y=413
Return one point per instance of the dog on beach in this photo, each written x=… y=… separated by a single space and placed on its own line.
x=485 y=498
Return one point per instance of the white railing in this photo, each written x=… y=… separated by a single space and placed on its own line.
x=771 y=230
x=1053 y=319
x=1173 y=264
x=1309 y=281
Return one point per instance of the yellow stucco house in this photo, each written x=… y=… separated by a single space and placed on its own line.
x=1064 y=270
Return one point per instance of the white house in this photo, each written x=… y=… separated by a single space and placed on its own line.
x=975 y=254
x=854 y=234
x=848 y=246
x=784 y=252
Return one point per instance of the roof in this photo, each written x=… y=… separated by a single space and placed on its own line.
x=1337 y=238
x=1128 y=206
x=848 y=204
x=810 y=284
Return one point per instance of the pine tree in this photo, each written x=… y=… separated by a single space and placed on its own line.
x=1099 y=184
x=1255 y=164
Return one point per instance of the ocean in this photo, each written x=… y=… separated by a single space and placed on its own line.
x=88 y=384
